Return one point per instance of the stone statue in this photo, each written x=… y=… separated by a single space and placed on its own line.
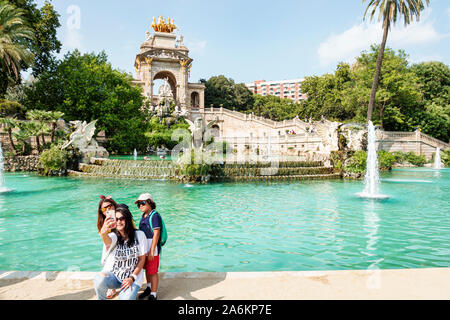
x=82 y=139
x=181 y=44
x=198 y=131
x=82 y=136
x=148 y=36
x=165 y=91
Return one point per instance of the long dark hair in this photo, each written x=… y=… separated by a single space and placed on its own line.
x=101 y=216
x=130 y=229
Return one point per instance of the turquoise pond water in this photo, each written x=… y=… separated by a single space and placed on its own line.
x=49 y=224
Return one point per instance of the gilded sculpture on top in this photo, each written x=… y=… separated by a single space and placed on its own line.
x=162 y=26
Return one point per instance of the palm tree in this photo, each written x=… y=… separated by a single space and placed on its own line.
x=14 y=32
x=389 y=10
x=8 y=124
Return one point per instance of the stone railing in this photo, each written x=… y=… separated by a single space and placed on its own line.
x=296 y=138
x=271 y=123
x=416 y=142
x=433 y=141
x=416 y=136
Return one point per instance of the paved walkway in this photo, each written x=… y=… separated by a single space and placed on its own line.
x=433 y=283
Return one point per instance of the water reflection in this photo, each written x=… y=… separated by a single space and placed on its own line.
x=371 y=225
x=437 y=174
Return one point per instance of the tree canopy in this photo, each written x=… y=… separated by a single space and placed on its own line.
x=44 y=21
x=389 y=11
x=408 y=97
x=86 y=87
x=224 y=92
x=14 y=54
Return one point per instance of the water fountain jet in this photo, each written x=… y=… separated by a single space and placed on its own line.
x=437 y=159
x=372 y=177
x=3 y=189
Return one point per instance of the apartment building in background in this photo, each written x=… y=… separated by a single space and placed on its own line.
x=287 y=89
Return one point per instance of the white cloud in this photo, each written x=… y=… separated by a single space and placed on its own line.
x=349 y=44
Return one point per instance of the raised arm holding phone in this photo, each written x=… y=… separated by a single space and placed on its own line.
x=123 y=256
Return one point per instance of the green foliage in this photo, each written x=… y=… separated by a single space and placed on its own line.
x=11 y=108
x=159 y=132
x=193 y=170
x=357 y=162
x=223 y=92
x=407 y=97
x=44 y=23
x=14 y=53
x=16 y=94
x=385 y=159
x=275 y=108
x=389 y=11
x=445 y=157
x=53 y=159
x=86 y=87
x=417 y=160
x=409 y=157
x=433 y=116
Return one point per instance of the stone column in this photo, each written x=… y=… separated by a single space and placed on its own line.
x=149 y=78
x=201 y=97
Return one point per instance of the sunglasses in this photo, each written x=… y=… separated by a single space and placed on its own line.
x=106 y=208
x=120 y=219
x=141 y=203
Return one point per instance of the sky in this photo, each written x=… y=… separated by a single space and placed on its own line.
x=249 y=40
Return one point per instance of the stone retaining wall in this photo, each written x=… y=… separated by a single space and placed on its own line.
x=21 y=163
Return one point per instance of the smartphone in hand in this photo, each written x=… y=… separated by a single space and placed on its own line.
x=111 y=214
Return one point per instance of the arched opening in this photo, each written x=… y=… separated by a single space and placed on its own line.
x=195 y=100
x=215 y=131
x=158 y=81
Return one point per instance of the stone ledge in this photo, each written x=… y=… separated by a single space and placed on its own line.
x=427 y=283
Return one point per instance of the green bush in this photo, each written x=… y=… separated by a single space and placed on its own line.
x=400 y=157
x=159 y=132
x=385 y=159
x=10 y=108
x=409 y=157
x=357 y=162
x=414 y=159
x=53 y=159
x=445 y=157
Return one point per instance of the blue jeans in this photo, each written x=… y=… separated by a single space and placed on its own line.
x=102 y=283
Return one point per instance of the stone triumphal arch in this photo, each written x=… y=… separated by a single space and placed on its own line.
x=163 y=56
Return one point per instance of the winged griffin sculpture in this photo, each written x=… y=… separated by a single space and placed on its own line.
x=81 y=138
x=200 y=133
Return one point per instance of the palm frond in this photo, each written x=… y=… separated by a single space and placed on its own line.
x=14 y=32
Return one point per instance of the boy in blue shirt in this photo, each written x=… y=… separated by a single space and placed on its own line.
x=146 y=205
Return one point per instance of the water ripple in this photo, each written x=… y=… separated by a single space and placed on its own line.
x=312 y=225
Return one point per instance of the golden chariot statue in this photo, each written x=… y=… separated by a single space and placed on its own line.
x=162 y=26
